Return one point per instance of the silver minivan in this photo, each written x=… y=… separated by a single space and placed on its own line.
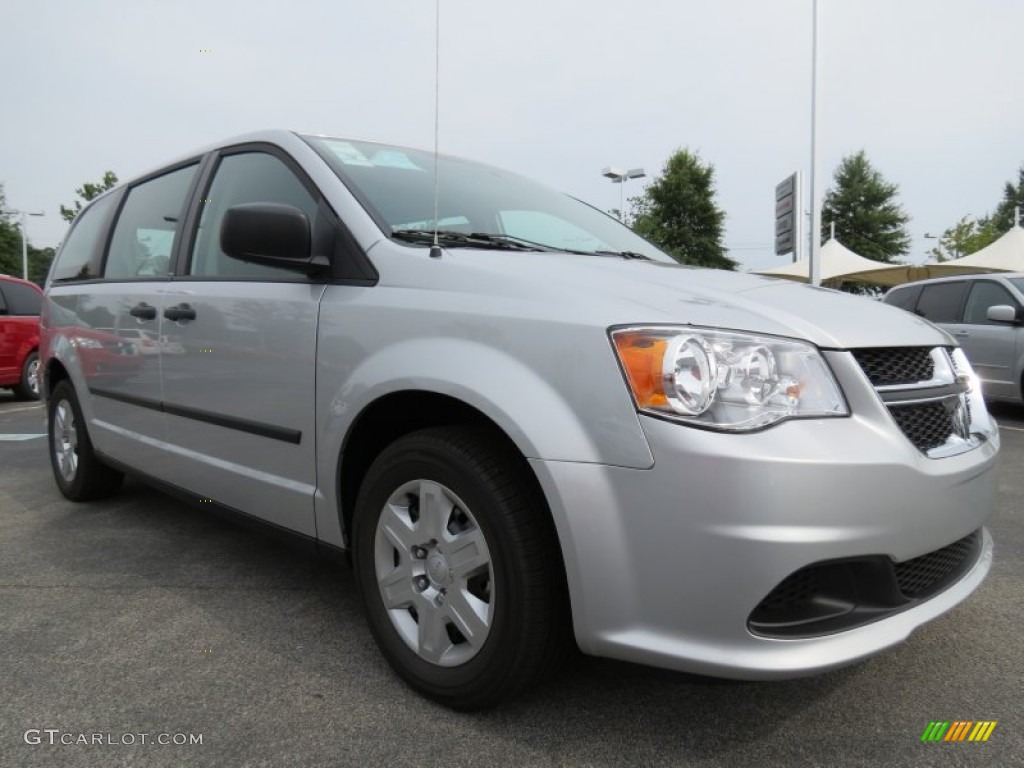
x=528 y=426
x=985 y=314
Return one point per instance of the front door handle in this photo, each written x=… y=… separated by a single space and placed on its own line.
x=961 y=333
x=143 y=311
x=180 y=312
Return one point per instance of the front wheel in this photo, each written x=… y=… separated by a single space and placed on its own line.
x=458 y=566
x=27 y=387
x=79 y=473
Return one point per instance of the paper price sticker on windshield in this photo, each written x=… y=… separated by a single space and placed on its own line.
x=348 y=154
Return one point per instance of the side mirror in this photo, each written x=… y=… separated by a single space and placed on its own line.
x=1004 y=313
x=268 y=233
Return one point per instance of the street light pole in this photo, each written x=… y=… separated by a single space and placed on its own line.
x=938 y=246
x=24 y=237
x=619 y=176
x=815 y=252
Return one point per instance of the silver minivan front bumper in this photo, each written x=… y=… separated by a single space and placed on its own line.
x=665 y=565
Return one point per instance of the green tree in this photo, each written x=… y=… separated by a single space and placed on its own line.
x=969 y=235
x=964 y=237
x=1001 y=220
x=39 y=261
x=87 y=192
x=10 y=241
x=678 y=213
x=864 y=209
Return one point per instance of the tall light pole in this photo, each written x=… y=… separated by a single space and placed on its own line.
x=24 y=236
x=619 y=176
x=815 y=252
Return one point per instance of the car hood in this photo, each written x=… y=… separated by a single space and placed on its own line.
x=618 y=291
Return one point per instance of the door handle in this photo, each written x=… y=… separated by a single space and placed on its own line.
x=961 y=333
x=143 y=311
x=180 y=312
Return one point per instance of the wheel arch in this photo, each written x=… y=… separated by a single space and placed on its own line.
x=54 y=372
x=394 y=415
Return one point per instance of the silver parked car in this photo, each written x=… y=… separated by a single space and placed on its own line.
x=528 y=427
x=985 y=313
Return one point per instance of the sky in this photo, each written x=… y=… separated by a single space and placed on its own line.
x=553 y=89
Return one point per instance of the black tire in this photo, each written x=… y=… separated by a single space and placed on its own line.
x=523 y=584
x=28 y=387
x=89 y=478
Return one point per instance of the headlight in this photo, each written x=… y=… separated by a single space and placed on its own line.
x=725 y=380
x=83 y=342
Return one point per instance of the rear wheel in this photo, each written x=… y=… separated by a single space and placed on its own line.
x=458 y=567
x=28 y=387
x=79 y=473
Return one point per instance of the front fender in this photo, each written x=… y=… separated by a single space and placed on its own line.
x=537 y=413
x=539 y=418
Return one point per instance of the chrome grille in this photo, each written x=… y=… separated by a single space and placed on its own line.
x=928 y=425
x=890 y=366
x=926 y=402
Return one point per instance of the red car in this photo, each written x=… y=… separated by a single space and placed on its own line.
x=19 y=336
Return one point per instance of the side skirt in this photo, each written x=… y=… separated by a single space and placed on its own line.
x=299 y=542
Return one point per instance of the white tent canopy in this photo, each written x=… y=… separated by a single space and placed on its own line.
x=1005 y=254
x=839 y=263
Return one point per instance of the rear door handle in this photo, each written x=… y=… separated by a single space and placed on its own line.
x=143 y=311
x=961 y=333
x=180 y=312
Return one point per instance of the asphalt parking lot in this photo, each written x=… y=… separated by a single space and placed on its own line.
x=145 y=616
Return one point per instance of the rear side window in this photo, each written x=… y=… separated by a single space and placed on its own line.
x=941 y=302
x=904 y=298
x=21 y=299
x=148 y=226
x=985 y=294
x=80 y=256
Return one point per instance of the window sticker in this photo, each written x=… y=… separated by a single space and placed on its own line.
x=348 y=154
x=390 y=158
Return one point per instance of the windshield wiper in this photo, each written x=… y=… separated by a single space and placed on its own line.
x=624 y=254
x=452 y=238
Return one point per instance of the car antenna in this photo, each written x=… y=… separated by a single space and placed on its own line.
x=435 y=249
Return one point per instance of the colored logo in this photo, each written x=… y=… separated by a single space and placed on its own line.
x=958 y=730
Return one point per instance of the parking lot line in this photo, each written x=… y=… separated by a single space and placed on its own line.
x=19 y=410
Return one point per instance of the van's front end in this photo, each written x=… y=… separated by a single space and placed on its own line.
x=808 y=505
x=746 y=477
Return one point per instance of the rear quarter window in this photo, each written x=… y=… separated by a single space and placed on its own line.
x=80 y=256
x=904 y=298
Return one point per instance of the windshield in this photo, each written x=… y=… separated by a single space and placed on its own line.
x=1018 y=283
x=396 y=186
